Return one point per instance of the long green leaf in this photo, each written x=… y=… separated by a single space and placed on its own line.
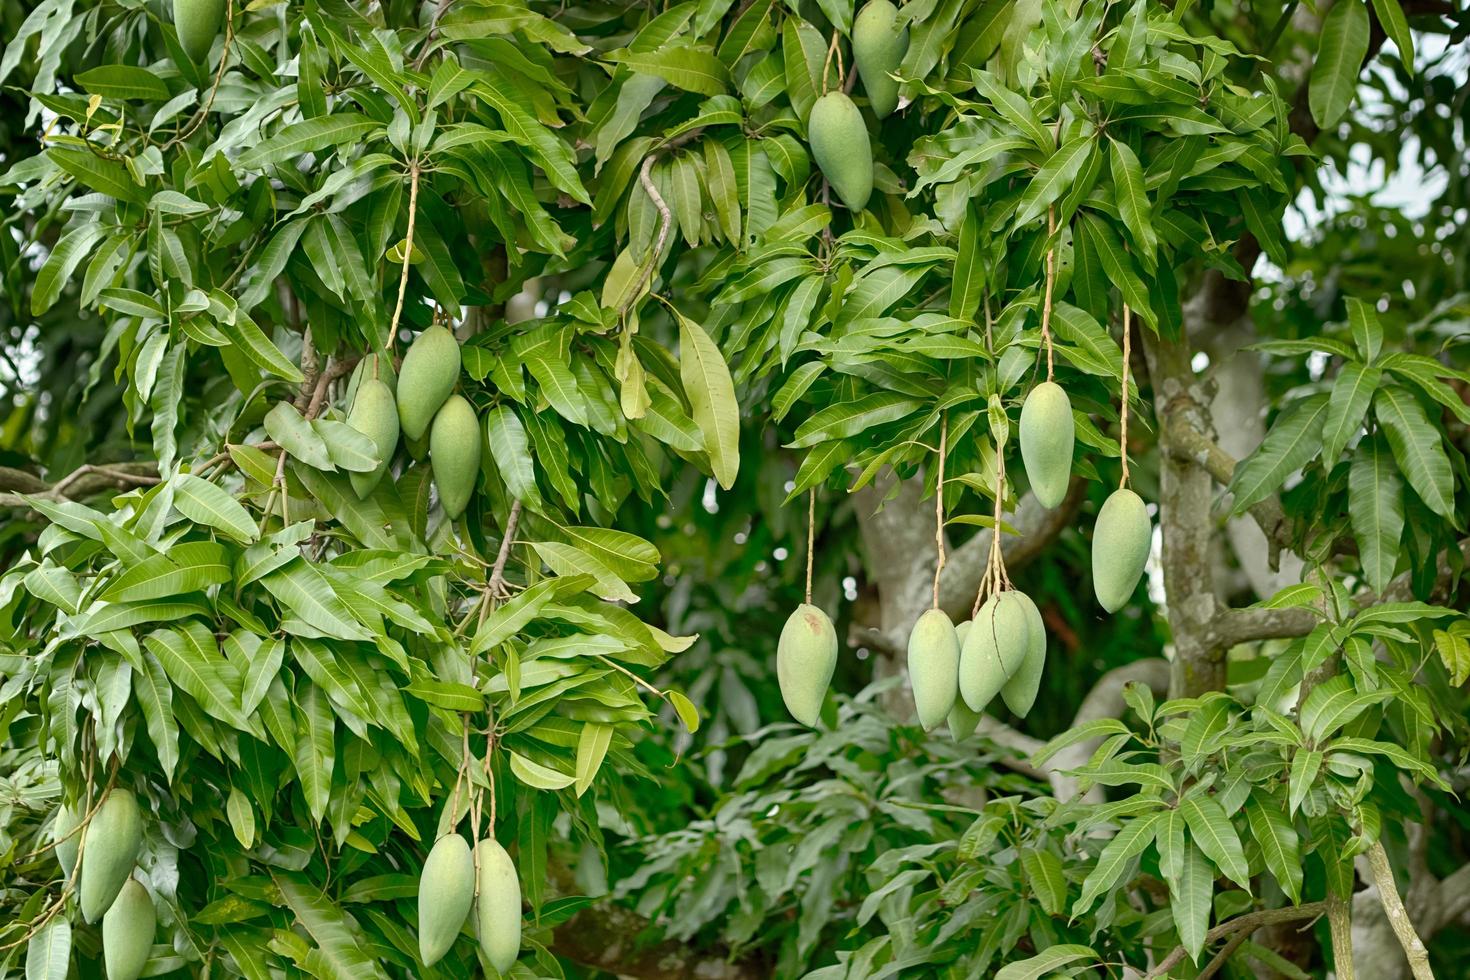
x=712 y=401
x=1376 y=509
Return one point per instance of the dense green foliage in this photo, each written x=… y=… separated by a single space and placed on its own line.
x=412 y=415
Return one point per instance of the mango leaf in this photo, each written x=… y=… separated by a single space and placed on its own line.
x=206 y=503
x=1293 y=441
x=1376 y=509
x=537 y=776
x=1341 y=48
x=712 y=401
x=1417 y=447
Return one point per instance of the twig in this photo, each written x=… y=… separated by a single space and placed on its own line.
x=1398 y=916
x=413 y=207
x=1051 y=278
x=1241 y=923
x=811 y=537
x=338 y=368
x=665 y=220
x=224 y=57
x=939 y=507
x=496 y=585
x=1123 y=409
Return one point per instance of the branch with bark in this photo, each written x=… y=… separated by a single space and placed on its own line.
x=80 y=483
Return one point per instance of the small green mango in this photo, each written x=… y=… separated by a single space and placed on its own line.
x=839 y=142
x=1120 y=545
x=994 y=649
x=806 y=656
x=1019 y=692
x=1048 y=432
x=878 y=48
x=67 y=842
x=498 y=906
x=198 y=24
x=934 y=665
x=127 y=932
x=430 y=369
x=962 y=721
x=110 y=851
x=446 y=892
x=375 y=414
x=454 y=453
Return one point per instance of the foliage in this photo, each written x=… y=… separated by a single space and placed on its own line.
x=669 y=330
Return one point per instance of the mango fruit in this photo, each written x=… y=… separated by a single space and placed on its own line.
x=66 y=841
x=109 y=853
x=454 y=454
x=374 y=413
x=446 y=892
x=994 y=649
x=1019 y=692
x=430 y=369
x=839 y=142
x=806 y=656
x=198 y=24
x=878 y=47
x=962 y=721
x=1120 y=545
x=498 y=906
x=127 y=932
x=934 y=666
x=1047 y=436
x=379 y=366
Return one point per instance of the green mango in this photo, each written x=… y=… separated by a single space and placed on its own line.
x=806 y=656
x=454 y=453
x=374 y=413
x=934 y=664
x=498 y=906
x=839 y=142
x=446 y=892
x=878 y=47
x=198 y=23
x=1120 y=544
x=994 y=649
x=962 y=721
x=66 y=841
x=127 y=931
x=109 y=852
x=1048 y=433
x=1019 y=692
x=430 y=369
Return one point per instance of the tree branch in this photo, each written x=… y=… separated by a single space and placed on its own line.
x=1249 y=922
x=80 y=483
x=1398 y=916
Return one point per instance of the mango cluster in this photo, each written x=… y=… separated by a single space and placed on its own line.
x=108 y=846
x=420 y=401
x=450 y=886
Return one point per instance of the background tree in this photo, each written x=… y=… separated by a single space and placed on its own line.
x=672 y=330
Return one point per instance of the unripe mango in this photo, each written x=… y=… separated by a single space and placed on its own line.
x=878 y=47
x=934 y=666
x=109 y=853
x=1047 y=435
x=994 y=649
x=498 y=906
x=127 y=932
x=1019 y=692
x=377 y=365
x=198 y=23
x=375 y=414
x=839 y=142
x=430 y=369
x=66 y=841
x=806 y=655
x=446 y=892
x=454 y=453
x=962 y=721
x=1120 y=545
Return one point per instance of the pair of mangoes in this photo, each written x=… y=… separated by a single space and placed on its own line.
x=421 y=400
x=835 y=128
x=1123 y=532
x=105 y=884
x=961 y=669
x=448 y=887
